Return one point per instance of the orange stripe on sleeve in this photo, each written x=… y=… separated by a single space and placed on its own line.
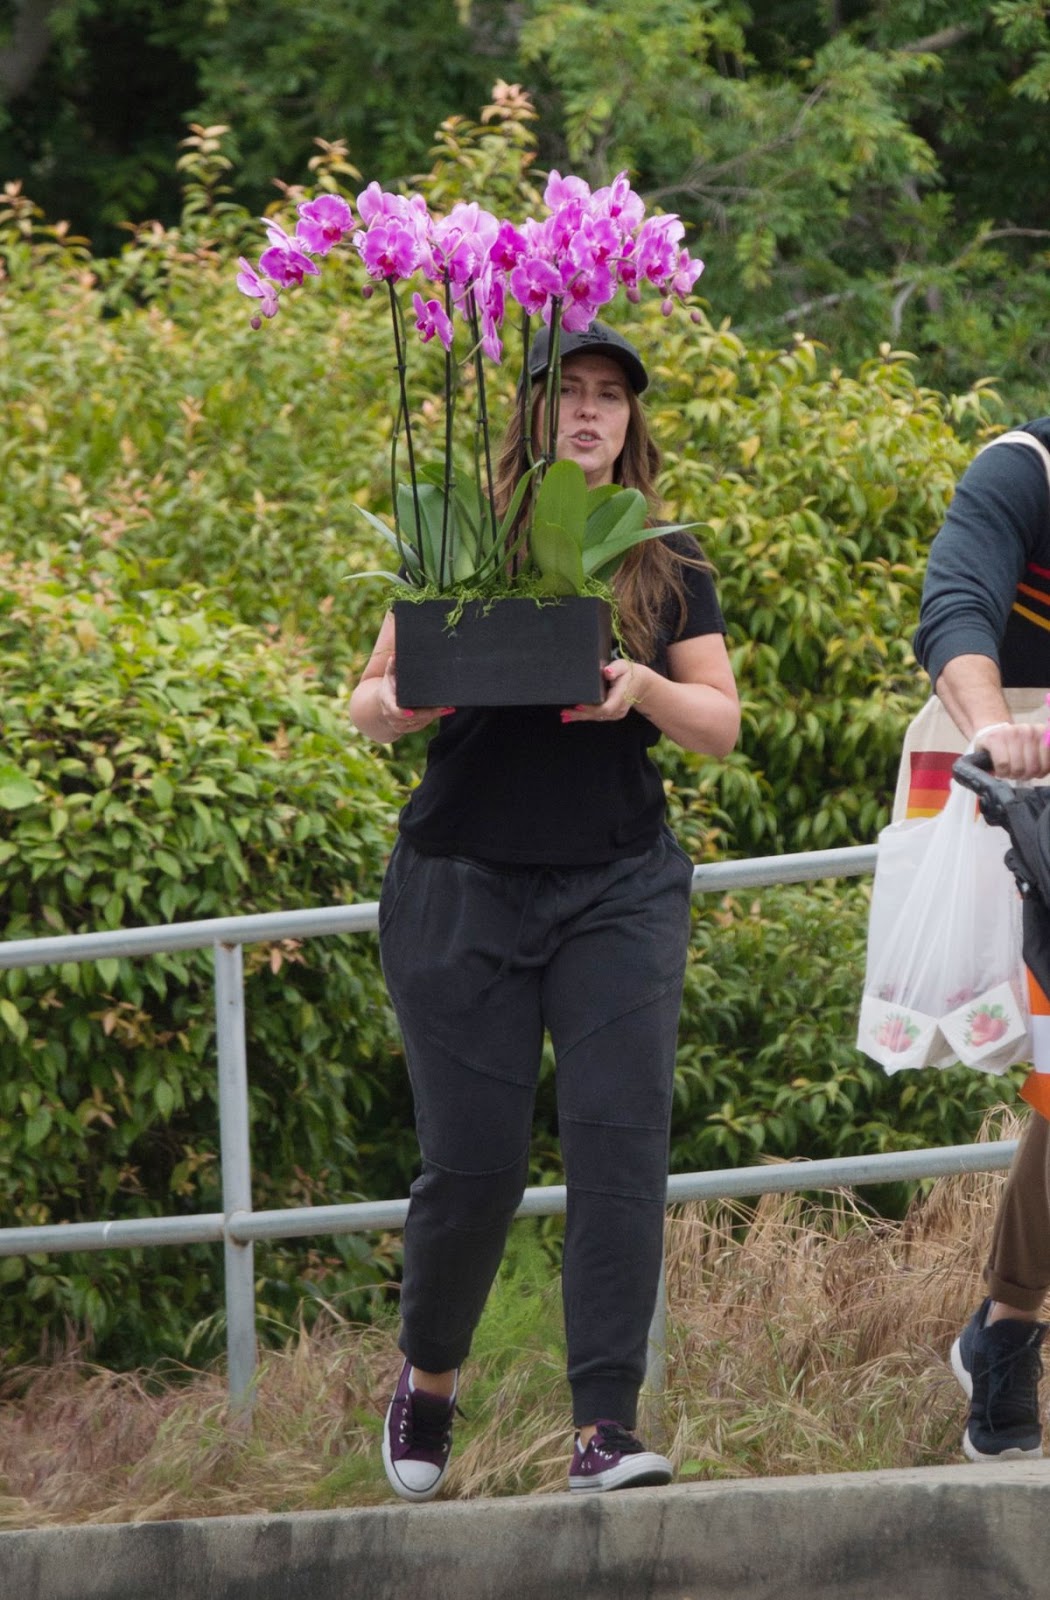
x=1030 y=616
x=1038 y=1003
x=1036 y=1090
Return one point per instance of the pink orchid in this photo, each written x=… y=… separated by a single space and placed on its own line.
x=286 y=264
x=461 y=242
x=584 y=293
x=256 y=288
x=688 y=270
x=507 y=248
x=431 y=319
x=562 y=226
x=657 y=248
x=323 y=223
x=620 y=204
x=489 y=298
x=560 y=191
x=533 y=282
x=594 y=241
x=375 y=202
x=389 y=250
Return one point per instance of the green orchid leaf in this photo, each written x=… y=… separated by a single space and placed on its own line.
x=604 y=491
x=465 y=551
x=619 y=512
x=474 y=510
x=601 y=560
x=391 y=577
x=515 y=502
x=556 y=538
x=602 y=563
x=556 y=582
x=430 y=499
x=403 y=549
x=558 y=558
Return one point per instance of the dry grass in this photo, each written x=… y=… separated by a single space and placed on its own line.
x=803 y=1337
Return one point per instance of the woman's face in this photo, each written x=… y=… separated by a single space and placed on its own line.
x=594 y=414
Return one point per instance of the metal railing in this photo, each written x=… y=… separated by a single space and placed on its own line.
x=237 y=1226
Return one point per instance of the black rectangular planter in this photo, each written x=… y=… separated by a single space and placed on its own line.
x=513 y=652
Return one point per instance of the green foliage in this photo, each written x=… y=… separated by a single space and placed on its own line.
x=786 y=165
x=818 y=493
x=160 y=762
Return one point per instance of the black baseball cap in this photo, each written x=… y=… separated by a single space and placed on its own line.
x=600 y=340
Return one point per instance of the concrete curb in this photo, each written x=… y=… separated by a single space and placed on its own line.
x=944 y=1533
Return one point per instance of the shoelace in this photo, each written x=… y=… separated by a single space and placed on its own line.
x=612 y=1437
x=426 y=1424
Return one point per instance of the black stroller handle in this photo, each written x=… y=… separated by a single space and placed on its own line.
x=975 y=772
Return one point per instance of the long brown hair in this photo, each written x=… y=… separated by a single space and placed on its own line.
x=651 y=573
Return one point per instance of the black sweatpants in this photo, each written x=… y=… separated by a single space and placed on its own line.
x=479 y=960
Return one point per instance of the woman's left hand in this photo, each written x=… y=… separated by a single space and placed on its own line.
x=627 y=682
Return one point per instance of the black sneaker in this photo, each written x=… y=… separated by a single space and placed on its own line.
x=615 y=1459
x=999 y=1368
x=417 y=1440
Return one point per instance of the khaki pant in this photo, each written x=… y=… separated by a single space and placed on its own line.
x=1018 y=1267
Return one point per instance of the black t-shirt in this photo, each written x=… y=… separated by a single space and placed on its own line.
x=516 y=786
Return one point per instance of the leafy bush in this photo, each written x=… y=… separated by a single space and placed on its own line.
x=161 y=762
x=818 y=493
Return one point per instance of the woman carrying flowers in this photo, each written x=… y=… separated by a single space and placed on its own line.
x=534 y=886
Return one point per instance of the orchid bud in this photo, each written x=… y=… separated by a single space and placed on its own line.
x=256 y=323
x=368 y=291
x=694 y=316
x=633 y=294
x=666 y=307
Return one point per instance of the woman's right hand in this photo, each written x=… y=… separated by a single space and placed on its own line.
x=373 y=704
x=398 y=719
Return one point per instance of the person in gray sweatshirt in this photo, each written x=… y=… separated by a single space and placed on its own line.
x=984 y=627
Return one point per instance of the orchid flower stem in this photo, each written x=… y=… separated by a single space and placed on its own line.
x=525 y=421
x=553 y=381
x=399 y=348
x=525 y=391
x=483 y=416
x=450 y=476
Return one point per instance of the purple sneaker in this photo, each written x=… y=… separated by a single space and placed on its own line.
x=417 y=1439
x=615 y=1459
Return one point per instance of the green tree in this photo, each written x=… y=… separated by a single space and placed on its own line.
x=854 y=181
x=94 y=96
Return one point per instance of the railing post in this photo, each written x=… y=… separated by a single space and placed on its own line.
x=656 y=1359
x=652 y=1419
x=241 y=1350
